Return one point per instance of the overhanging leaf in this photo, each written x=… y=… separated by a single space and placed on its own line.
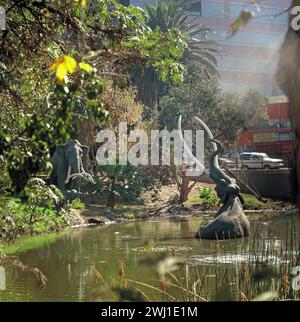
x=63 y=66
x=241 y=21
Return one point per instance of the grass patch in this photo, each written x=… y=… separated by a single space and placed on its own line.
x=25 y=244
x=251 y=202
x=209 y=199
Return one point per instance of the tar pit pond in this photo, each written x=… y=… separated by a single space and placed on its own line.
x=158 y=260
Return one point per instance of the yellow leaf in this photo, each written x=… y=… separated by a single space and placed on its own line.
x=61 y=72
x=70 y=64
x=83 y=3
x=56 y=64
x=86 y=67
x=63 y=66
x=241 y=21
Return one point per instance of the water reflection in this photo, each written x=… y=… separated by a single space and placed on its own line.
x=68 y=262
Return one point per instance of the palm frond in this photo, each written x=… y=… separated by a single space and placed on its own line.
x=200 y=48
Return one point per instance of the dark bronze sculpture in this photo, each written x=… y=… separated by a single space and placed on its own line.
x=230 y=221
x=68 y=166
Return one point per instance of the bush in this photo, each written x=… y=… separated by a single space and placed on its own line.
x=125 y=183
x=38 y=193
x=77 y=204
x=18 y=219
x=40 y=213
x=208 y=196
x=5 y=182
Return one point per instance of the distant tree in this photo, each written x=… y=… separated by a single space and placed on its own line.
x=253 y=108
x=201 y=96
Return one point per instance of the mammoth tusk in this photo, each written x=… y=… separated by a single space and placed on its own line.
x=188 y=150
x=88 y=177
x=83 y=175
x=210 y=135
x=68 y=175
x=75 y=175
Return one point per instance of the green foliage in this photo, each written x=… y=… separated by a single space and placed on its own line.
x=208 y=196
x=126 y=183
x=180 y=42
x=253 y=107
x=83 y=45
x=77 y=204
x=5 y=182
x=38 y=193
x=167 y=16
x=19 y=219
x=38 y=214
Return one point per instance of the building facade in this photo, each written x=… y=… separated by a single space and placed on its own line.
x=276 y=138
x=248 y=60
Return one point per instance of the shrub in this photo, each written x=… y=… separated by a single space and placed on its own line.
x=125 y=183
x=77 y=204
x=38 y=193
x=5 y=182
x=208 y=196
x=40 y=213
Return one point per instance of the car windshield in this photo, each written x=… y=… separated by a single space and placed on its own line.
x=264 y=155
x=245 y=156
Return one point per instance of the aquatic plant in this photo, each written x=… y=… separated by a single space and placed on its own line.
x=19 y=267
x=261 y=273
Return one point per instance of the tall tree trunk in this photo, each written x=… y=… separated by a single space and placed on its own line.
x=111 y=200
x=183 y=183
x=86 y=135
x=288 y=76
x=184 y=189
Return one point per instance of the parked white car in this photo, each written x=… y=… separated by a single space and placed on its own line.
x=226 y=162
x=256 y=160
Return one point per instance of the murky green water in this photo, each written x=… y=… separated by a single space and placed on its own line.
x=67 y=259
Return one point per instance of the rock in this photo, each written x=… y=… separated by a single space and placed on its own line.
x=95 y=221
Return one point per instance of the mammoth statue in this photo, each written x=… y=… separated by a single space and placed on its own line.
x=68 y=166
x=230 y=221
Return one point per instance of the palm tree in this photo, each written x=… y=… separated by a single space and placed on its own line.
x=171 y=14
x=167 y=16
